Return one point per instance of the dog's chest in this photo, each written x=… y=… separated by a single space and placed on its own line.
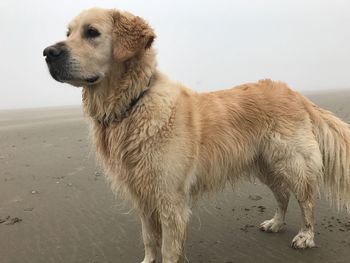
x=130 y=151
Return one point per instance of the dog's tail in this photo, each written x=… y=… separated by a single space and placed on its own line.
x=333 y=136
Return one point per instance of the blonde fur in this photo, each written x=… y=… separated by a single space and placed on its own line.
x=333 y=137
x=174 y=144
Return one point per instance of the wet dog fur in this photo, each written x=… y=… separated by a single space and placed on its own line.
x=163 y=145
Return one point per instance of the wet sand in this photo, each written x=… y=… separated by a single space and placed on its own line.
x=55 y=205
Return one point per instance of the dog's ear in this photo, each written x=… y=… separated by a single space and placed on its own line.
x=131 y=35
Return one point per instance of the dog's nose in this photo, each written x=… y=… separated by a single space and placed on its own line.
x=52 y=52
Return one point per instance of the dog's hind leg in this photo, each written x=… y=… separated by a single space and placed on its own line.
x=307 y=171
x=282 y=194
x=297 y=161
x=305 y=237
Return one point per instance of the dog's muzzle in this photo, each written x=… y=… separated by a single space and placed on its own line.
x=57 y=57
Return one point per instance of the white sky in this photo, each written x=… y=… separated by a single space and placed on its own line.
x=206 y=45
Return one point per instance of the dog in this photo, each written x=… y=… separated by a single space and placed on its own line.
x=163 y=145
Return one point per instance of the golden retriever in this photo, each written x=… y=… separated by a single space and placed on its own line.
x=163 y=145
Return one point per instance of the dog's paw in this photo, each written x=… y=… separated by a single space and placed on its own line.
x=149 y=260
x=304 y=239
x=271 y=225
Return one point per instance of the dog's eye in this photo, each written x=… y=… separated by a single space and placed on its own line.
x=68 y=33
x=92 y=32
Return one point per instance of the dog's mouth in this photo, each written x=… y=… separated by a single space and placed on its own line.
x=92 y=80
x=64 y=75
x=80 y=82
x=67 y=70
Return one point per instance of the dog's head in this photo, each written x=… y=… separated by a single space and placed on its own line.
x=96 y=40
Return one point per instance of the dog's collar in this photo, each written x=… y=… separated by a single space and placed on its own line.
x=106 y=121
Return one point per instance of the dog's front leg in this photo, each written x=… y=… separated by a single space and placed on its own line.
x=151 y=234
x=174 y=221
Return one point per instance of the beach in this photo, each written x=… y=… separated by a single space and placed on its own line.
x=56 y=206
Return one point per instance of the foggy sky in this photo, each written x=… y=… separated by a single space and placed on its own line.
x=206 y=45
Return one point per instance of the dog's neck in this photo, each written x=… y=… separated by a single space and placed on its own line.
x=113 y=98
